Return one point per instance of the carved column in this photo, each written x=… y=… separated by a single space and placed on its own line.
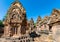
x=18 y=30
x=7 y=31
x=15 y=30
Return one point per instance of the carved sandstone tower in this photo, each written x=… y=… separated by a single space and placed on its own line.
x=55 y=25
x=31 y=24
x=15 y=23
x=38 y=24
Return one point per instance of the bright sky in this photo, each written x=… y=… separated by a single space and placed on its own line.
x=34 y=8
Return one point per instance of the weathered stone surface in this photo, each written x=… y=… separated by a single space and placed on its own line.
x=38 y=19
x=56 y=33
x=55 y=16
x=44 y=38
x=32 y=24
x=16 y=25
x=16 y=22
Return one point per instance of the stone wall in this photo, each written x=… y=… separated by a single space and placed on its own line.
x=56 y=33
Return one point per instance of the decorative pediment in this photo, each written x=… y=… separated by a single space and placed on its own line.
x=15 y=12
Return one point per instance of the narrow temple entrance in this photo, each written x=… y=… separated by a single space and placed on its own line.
x=23 y=30
x=14 y=31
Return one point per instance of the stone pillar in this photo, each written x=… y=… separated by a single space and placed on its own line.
x=15 y=30
x=7 y=31
x=18 y=30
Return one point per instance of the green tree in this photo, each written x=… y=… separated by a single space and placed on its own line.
x=1 y=23
x=35 y=24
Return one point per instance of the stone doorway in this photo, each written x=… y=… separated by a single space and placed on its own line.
x=23 y=29
x=14 y=31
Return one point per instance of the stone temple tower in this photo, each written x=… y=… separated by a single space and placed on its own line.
x=15 y=22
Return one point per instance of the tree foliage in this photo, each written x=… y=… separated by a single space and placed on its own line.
x=1 y=23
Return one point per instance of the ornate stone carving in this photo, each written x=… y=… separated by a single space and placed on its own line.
x=15 y=23
x=38 y=22
x=32 y=24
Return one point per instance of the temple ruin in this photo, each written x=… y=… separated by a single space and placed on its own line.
x=16 y=23
x=18 y=29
